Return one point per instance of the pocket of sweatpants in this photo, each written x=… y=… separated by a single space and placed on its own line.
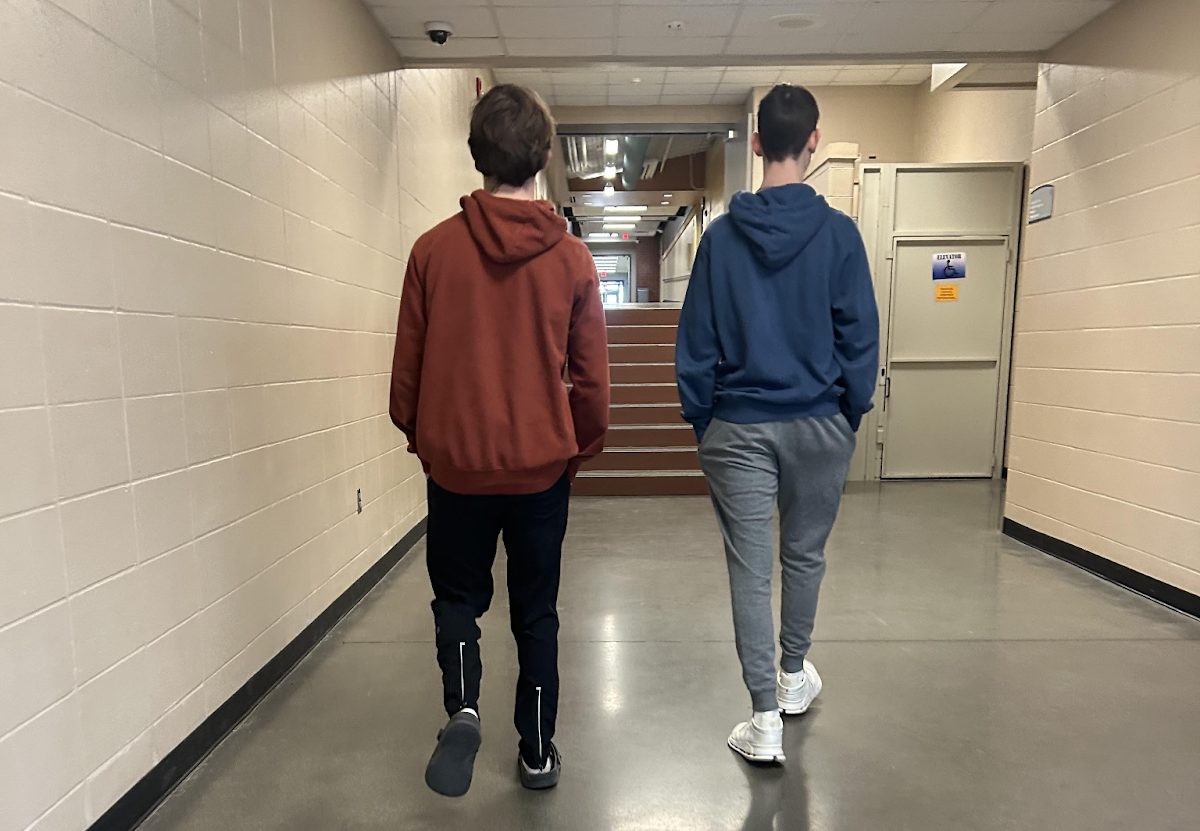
x=843 y=424
x=712 y=425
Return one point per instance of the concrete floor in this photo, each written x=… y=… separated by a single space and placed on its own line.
x=971 y=684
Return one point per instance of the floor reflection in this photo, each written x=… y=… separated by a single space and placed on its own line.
x=779 y=799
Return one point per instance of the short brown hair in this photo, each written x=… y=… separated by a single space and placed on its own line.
x=511 y=132
x=787 y=117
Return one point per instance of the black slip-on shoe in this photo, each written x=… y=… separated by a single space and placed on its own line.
x=453 y=761
x=540 y=780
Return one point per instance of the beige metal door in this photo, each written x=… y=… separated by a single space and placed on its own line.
x=944 y=359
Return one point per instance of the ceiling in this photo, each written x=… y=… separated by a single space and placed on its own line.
x=589 y=210
x=625 y=85
x=515 y=32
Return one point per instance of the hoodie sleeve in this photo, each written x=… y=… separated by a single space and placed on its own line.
x=587 y=367
x=697 y=350
x=856 y=331
x=409 y=355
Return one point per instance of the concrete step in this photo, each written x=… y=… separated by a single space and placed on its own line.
x=642 y=373
x=646 y=435
x=640 y=353
x=645 y=394
x=644 y=414
x=645 y=458
x=640 y=483
x=642 y=334
x=642 y=316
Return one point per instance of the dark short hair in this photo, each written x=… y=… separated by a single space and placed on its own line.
x=511 y=132
x=787 y=117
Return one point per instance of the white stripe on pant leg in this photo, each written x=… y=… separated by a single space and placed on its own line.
x=539 y=723
x=462 y=677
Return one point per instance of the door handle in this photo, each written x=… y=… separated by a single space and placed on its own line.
x=887 y=387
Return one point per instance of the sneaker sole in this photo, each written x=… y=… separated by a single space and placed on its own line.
x=452 y=766
x=538 y=781
x=773 y=758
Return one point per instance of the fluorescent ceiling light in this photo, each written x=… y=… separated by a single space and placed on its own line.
x=619 y=226
x=667 y=195
x=664 y=203
x=624 y=209
x=610 y=171
x=610 y=147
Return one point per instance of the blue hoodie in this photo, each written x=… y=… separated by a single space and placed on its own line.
x=780 y=319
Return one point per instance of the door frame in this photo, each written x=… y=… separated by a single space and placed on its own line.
x=880 y=256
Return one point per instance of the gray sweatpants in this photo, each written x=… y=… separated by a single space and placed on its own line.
x=802 y=465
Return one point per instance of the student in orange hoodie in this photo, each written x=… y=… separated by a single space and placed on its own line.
x=497 y=300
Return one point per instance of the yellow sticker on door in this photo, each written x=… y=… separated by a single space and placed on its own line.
x=945 y=292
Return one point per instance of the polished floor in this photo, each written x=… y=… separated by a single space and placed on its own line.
x=971 y=684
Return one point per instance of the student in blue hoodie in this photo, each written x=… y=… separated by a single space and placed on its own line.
x=777 y=356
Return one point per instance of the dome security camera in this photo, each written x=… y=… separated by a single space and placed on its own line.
x=439 y=31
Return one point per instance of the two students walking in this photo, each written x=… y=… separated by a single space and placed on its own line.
x=776 y=360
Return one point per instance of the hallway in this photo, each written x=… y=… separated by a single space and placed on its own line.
x=970 y=683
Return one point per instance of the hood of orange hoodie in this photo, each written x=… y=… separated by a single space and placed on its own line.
x=511 y=230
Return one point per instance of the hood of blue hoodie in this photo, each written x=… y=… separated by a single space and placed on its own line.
x=779 y=222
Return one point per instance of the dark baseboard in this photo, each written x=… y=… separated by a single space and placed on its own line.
x=140 y=800
x=1164 y=593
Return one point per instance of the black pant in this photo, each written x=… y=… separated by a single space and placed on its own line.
x=461 y=547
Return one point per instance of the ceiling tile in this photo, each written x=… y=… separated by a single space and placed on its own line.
x=632 y=100
x=593 y=100
x=694 y=75
x=752 y=74
x=643 y=74
x=739 y=88
x=809 y=76
x=651 y=21
x=522 y=76
x=908 y=17
x=578 y=78
x=529 y=23
x=727 y=98
x=408 y=21
x=455 y=48
x=835 y=17
x=656 y=46
x=553 y=47
x=865 y=75
x=689 y=89
x=914 y=74
x=685 y=100
x=1043 y=15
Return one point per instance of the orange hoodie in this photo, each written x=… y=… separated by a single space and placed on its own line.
x=497 y=300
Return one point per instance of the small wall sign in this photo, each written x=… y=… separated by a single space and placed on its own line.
x=945 y=292
x=950 y=266
x=1041 y=203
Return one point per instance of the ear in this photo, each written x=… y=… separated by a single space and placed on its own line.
x=813 y=141
x=756 y=144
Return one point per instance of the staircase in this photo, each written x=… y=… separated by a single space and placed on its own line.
x=650 y=450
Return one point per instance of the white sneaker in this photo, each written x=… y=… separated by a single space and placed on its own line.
x=795 y=696
x=760 y=739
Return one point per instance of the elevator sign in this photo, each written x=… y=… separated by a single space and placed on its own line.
x=950 y=266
